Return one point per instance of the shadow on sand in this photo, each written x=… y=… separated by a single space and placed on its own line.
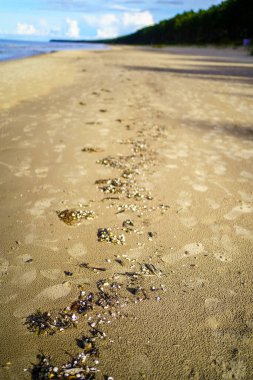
x=219 y=73
x=240 y=131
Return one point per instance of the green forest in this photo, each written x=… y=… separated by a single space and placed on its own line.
x=227 y=23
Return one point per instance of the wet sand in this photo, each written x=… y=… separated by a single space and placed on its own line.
x=172 y=171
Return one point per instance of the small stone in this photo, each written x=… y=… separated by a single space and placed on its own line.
x=67 y=273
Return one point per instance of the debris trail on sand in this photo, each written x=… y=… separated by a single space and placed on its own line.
x=112 y=295
x=117 y=291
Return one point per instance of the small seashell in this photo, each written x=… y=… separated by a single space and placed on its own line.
x=74 y=317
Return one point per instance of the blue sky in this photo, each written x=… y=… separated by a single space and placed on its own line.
x=73 y=19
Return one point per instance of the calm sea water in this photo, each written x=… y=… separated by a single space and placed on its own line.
x=11 y=49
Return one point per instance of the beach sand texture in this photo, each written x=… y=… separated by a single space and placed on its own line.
x=171 y=169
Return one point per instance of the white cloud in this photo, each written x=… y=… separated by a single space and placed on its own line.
x=110 y=25
x=106 y=19
x=118 y=7
x=73 y=31
x=107 y=32
x=107 y=24
x=27 y=29
x=138 y=19
x=43 y=28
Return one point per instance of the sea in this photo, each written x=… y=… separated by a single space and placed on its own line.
x=12 y=49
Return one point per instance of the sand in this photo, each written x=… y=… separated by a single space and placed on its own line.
x=181 y=120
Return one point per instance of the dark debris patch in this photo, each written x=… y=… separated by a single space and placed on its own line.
x=40 y=323
x=89 y=149
x=105 y=234
x=113 y=186
x=76 y=369
x=74 y=217
x=128 y=225
x=148 y=269
x=113 y=293
x=68 y=273
x=83 y=304
x=94 y=269
x=43 y=323
x=108 y=295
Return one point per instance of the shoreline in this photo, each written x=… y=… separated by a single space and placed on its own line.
x=215 y=50
x=159 y=146
x=18 y=49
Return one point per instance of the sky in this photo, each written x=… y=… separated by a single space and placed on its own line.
x=86 y=19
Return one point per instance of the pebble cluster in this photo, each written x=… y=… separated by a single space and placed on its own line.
x=105 y=234
x=130 y=165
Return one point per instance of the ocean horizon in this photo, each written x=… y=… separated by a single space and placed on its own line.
x=17 y=49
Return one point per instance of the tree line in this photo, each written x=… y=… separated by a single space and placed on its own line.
x=226 y=23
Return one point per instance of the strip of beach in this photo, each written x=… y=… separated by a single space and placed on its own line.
x=127 y=215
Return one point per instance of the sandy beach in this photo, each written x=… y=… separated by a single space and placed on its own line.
x=147 y=154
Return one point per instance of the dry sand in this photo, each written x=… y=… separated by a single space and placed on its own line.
x=185 y=116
